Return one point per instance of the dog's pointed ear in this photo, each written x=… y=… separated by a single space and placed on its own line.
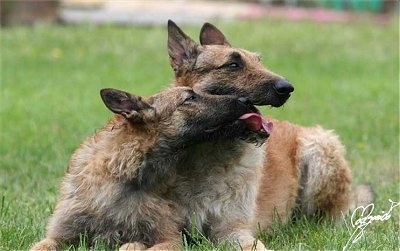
x=180 y=46
x=126 y=104
x=210 y=35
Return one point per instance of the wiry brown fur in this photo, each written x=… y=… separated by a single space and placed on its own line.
x=129 y=182
x=218 y=190
x=303 y=167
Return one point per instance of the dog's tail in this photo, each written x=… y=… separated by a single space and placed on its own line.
x=361 y=195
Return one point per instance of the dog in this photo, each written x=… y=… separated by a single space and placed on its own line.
x=127 y=184
x=303 y=168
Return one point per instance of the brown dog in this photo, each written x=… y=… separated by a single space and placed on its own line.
x=304 y=167
x=129 y=182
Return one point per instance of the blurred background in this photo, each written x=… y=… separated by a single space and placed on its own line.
x=188 y=11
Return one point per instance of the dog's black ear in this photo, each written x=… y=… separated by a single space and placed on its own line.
x=126 y=104
x=210 y=35
x=180 y=46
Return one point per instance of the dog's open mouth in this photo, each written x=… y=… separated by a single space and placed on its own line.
x=255 y=122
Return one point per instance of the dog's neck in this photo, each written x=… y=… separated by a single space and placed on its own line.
x=169 y=157
x=137 y=154
x=216 y=152
x=159 y=164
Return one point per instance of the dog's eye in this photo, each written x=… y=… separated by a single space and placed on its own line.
x=190 y=97
x=233 y=65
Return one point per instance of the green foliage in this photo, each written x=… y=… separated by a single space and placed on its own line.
x=345 y=77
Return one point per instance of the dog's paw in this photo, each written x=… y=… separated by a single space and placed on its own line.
x=255 y=245
x=134 y=246
x=46 y=245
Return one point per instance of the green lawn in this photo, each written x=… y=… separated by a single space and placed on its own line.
x=345 y=77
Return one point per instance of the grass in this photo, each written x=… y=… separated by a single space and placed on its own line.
x=345 y=77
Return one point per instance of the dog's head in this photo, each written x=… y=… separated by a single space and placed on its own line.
x=179 y=116
x=165 y=124
x=217 y=68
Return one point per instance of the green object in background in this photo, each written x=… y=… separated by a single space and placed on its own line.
x=368 y=5
x=356 y=5
x=332 y=4
x=338 y=4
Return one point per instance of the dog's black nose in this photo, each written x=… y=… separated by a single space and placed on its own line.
x=283 y=87
x=244 y=100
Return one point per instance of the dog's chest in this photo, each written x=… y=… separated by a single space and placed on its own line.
x=220 y=182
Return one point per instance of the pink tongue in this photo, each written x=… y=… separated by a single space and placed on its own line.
x=255 y=122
